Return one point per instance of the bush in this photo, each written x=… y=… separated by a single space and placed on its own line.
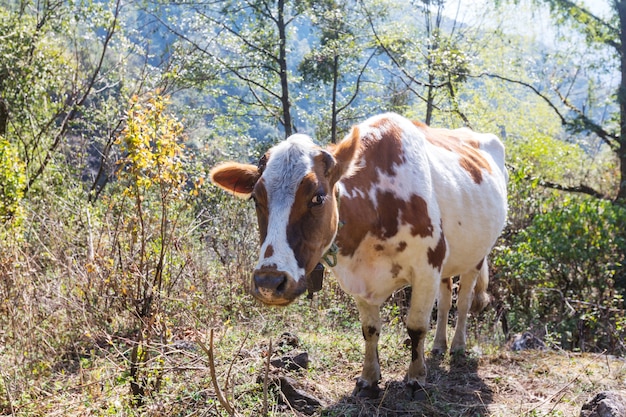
x=12 y=182
x=565 y=275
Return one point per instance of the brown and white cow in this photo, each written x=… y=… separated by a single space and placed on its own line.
x=417 y=206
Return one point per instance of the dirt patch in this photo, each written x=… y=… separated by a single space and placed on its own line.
x=506 y=383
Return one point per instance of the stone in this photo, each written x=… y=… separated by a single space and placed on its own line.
x=605 y=404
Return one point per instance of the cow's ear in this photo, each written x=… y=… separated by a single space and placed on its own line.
x=238 y=179
x=345 y=153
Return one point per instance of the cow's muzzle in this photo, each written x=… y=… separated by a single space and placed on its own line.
x=274 y=287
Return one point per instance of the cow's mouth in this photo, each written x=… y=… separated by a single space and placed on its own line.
x=276 y=288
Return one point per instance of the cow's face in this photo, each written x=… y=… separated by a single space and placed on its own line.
x=293 y=189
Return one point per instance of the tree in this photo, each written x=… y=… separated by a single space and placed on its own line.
x=245 y=46
x=605 y=37
x=341 y=51
x=44 y=87
x=431 y=61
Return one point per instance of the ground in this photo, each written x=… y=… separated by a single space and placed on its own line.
x=501 y=383
x=91 y=378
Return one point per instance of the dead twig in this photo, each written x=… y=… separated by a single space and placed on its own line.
x=266 y=378
x=8 y=391
x=216 y=386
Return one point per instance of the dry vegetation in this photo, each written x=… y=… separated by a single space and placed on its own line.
x=89 y=373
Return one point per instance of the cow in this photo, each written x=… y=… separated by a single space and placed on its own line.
x=397 y=203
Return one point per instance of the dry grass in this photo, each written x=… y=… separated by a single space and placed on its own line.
x=93 y=380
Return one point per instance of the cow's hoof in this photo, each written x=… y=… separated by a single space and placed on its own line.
x=365 y=389
x=458 y=351
x=438 y=352
x=416 y=390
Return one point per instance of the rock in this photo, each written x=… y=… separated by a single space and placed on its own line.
x=526 y=341
x=605 y=404
x=288 y=340
x=292 y=361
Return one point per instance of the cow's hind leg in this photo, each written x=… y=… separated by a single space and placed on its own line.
x=367 y=383
x=444 y=303
x=422 y=301
x=472 y=294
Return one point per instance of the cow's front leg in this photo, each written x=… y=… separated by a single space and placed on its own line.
x=367 y=383
x=423 y=296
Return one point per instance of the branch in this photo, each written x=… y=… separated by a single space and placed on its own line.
x=74 y=108
x=266 y=379
x=232 y=69
x=614 y=31
x=527 y=85
x=611 y=140
x=581 y=189
x=358 y=83
x=218 y=392
x=389 y=54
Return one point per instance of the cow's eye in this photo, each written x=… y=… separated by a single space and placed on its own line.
x=318 y=199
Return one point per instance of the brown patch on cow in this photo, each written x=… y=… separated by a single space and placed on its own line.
x=382 y=155
x=416 y=335
x=415 y=213
x=261 y=204
x=269 y=251
x=344 y=152
x=369 y=332
x=448 y=282
x=308 y=230
x=461 y=143
x=395 y=270
x=437 y=254
x=379 y=248
x=362 y=217
x=401 y=246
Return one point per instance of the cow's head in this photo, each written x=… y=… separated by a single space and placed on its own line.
x=293 y=188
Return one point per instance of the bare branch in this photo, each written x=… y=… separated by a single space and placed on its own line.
x=218 y=392
x=527 y=85
x=74 y=107
x=581 y=189
x=610 y=139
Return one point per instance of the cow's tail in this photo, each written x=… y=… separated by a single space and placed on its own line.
x=481 y=297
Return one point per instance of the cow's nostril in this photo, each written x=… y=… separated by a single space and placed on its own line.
x=277 y=283
x=281 y=287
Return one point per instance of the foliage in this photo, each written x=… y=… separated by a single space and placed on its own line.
x=12 y=182
x=564 y=275
x=154 y=178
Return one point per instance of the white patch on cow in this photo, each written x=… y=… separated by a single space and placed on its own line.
x=289 y=162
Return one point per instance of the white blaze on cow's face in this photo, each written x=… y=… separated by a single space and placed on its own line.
x=274 y=196
x=294 y=193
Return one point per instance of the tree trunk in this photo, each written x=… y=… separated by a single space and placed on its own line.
x=333 y=128
x=621 y=98
x=4 y=117
x=282 y=63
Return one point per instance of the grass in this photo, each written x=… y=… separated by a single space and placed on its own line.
x=69 y=328
x=91 y=378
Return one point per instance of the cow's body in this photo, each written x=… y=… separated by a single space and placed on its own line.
x=416 y=206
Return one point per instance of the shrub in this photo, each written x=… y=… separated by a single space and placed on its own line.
x=565 y=274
